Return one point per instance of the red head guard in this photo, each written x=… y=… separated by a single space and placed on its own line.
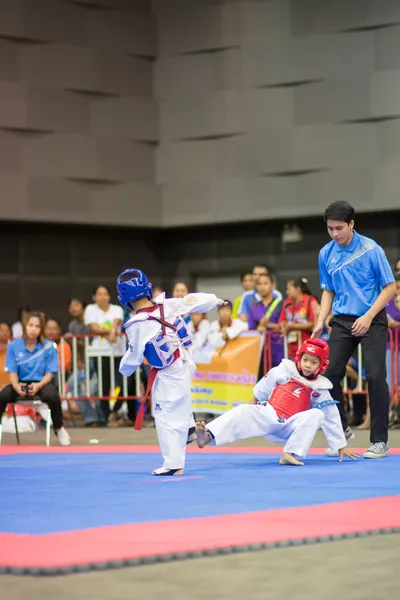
x=315 y=347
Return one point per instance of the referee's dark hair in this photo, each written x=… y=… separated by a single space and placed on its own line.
x=340 y=211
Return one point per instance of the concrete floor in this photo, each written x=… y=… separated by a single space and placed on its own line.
x=121 y=436
x=361 y=569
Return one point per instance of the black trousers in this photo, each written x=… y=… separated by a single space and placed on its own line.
x=342 y=345
x=48 y=394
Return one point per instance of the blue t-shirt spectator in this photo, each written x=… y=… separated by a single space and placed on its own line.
x=32 y=365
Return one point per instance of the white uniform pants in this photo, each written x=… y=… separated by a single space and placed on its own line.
x=250 y=420
x=172 y=409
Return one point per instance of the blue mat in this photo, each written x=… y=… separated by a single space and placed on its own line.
x=62 y=492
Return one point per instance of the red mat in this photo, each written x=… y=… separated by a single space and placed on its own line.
x=129 y=542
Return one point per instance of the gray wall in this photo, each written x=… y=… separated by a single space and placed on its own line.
x=261 y=109
x=78 y=121
x=274 y=108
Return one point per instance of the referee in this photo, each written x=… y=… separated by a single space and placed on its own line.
x=357 y=284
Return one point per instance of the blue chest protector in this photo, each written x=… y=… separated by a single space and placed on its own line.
x=159 y=352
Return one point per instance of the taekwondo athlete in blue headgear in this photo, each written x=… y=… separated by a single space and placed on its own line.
x=158 y=333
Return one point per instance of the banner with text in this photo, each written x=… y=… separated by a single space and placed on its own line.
x=226 y=377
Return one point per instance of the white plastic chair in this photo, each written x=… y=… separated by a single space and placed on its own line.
x=39 y=407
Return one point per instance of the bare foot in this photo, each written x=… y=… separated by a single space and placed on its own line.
x=203 y=436
x=289 y=459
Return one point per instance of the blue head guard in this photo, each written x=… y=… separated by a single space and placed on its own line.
x=132 y=285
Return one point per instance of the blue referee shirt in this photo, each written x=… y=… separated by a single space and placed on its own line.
x=357 y=274
x=31 y=365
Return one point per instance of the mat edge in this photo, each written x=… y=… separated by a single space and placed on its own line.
x=205 y=553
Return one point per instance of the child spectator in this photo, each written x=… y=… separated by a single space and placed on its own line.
x=299 y=314
x=264 y=316
x=225 y=328
x=199 y=328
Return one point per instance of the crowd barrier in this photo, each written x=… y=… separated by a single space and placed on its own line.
x=93 y=357
x=360 y=387
x=223 y=378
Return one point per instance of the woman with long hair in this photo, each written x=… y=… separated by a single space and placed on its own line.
x=32 y=362
x=104 y=320
x=180 y=290
x=299 y=314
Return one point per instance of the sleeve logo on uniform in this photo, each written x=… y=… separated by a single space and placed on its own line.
x=190 y=299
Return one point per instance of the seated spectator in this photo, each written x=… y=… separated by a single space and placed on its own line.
x=251 y=297
x=225 y=328
x=90 y=409
x=264 y=316
x=32 y=362
x=17 y=329
x=247 y=281
x=199 y=328
x=299 y=314
x=393 y=314
x=397 y=267
x=5 y=335
x=77 y=325
x=157 y=291
x=53 y=332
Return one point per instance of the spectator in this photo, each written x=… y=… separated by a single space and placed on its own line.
x=5 y=335
x=299 y=314
x=77 y=325
x=18 y=327
x=264 y=316
x=393 y=314
x=180 y=290
x=251 y=297
x=199 y=328
x=91 y=410
x=157 y=291
x=31 y=363
x=104 y=321
x=397 y=267
x=247 y=281
x=225 y=328
x=53 y=332
x=361 y=417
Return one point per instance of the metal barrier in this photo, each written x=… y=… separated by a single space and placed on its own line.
x=394 y=341
x=95 y=355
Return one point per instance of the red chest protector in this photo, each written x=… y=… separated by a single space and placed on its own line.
x=290 y=398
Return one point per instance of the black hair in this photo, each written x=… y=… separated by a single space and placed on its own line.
x=269 y=275
x=340 y=211
x=75 y=299
x=263 y=266
x=303 y=285
x=245 y=274
x=227 y=303
x=96 y=289
x=55 y=321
